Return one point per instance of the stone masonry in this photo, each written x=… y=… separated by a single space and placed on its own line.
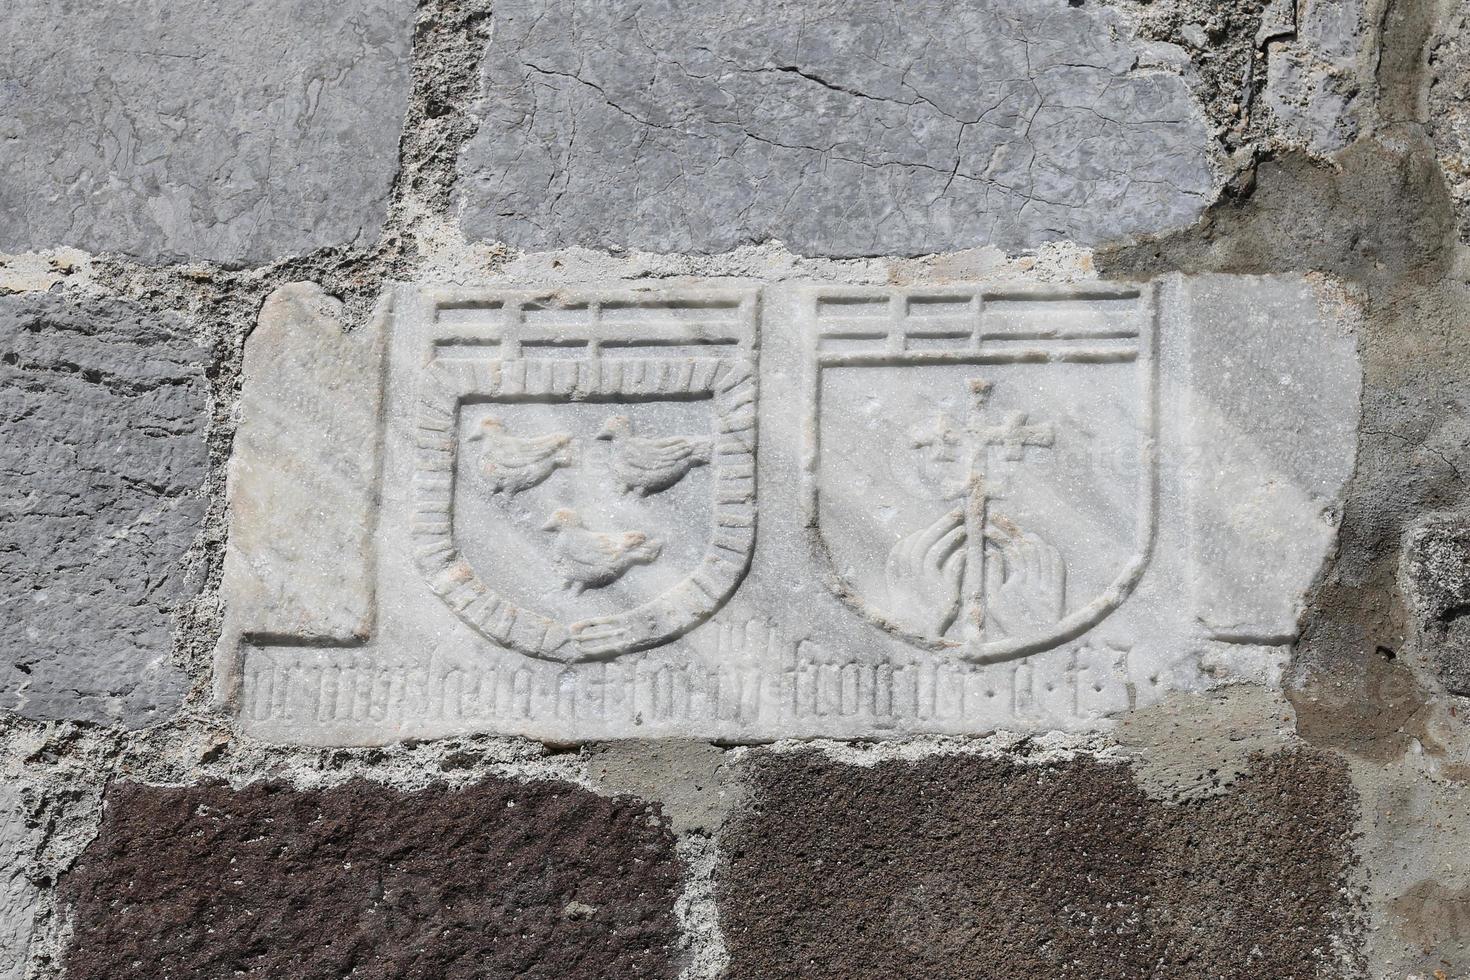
x=734 y=491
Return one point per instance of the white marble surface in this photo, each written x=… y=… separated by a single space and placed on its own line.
x=303 y=478
x=1001 y=505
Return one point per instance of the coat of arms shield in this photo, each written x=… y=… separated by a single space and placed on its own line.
x=585 y=478
x=980 y=471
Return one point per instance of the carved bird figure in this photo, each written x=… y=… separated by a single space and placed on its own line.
x=516 y=463
x=648 y=465
x=591 y=559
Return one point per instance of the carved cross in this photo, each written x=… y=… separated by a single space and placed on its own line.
x=1014 y=436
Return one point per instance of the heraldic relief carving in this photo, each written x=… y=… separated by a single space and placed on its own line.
x=1004 y=505
x=584 y=493
x=1012 y=537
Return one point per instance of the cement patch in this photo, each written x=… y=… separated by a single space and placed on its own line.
x=692 y=780
x=1191 y=747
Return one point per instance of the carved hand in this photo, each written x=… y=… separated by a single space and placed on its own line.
x=923 y=574
x=1026 y=588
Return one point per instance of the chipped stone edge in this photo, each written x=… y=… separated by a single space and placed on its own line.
x=702 y=941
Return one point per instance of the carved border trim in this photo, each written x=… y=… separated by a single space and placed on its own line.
x=729 y=382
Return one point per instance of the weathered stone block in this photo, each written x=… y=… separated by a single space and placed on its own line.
x=1015 y=505
x=103 y=406
x=17 y=894
x=1436 y=581
x=966 y=867
x=499 y=879
x=1448 y=115
x=836 y=127
x=1316 y=71
x=305 y=457
x=1273 y=414
x=227 y=129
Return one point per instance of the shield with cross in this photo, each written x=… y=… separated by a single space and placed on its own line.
x=981 y=471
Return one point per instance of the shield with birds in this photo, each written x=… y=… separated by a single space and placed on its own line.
x=586 y=487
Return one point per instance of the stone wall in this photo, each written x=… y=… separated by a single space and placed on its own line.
x=735 y=490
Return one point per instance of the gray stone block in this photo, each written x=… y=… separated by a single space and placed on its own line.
x=1435 y=576
x=839 y=128
x=224 y=129
x=17 y=894
x=103 y=407
x=1314 y=76
x=1449 y=110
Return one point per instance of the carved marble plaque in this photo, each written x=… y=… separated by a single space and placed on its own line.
x=969 y=507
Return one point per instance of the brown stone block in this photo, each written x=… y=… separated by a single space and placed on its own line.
x=500 y=879
x=969 y=867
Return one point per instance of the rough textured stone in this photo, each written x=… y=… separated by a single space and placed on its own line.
x=967 y=867
x=1436 y=574
x=838 y=128
x=104 y=412
x=305 y=459
x=17 y=894
x=227 y=129
x=1191 y=747
x=500 y=879
x=1216 y=45
x=1159 y=476
x=1314 y=71
x=1449 y=109
x=1302 y=215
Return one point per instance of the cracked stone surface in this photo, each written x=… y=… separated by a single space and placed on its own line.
x=840 y=129
x=103 y=409
x=227 y=129
x=1313 y=81
x=540 y=880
